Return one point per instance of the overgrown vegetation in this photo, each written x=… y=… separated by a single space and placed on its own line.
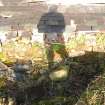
x=84 y=84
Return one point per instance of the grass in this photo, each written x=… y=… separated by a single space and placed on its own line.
x=11 y=52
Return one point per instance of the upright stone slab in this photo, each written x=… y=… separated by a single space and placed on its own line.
x=51 y=22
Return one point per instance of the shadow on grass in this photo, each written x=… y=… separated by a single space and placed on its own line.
x=48 y=88
x=82 y=71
